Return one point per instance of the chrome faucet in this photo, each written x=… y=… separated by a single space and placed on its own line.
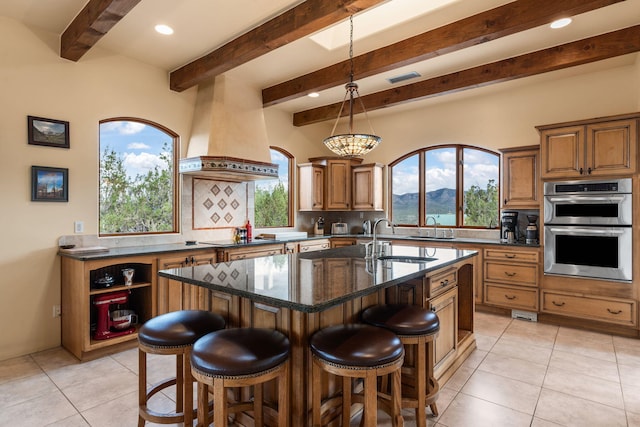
x=435 y=225
x=374 y=239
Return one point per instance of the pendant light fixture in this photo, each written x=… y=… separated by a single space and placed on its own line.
x=351 y=144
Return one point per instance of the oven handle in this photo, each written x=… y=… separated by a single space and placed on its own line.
x=585 y=230
x=582 y=199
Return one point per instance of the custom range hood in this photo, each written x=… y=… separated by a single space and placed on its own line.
x=228 y=134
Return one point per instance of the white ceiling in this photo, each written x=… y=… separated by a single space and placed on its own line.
x=204 y=25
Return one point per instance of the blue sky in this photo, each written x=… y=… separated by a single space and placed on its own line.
x=139 y=145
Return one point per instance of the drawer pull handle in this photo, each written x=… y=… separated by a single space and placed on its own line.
x=614 y=311
x=444 y=283
x=509 y=255
x=510 y=274
x=509 y=297
x=558 y=304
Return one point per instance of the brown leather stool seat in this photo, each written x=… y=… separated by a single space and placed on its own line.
x=241 y=357
x=172 y=334
x=356 y=351
x=415 y=326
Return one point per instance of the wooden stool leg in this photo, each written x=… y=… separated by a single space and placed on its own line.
x=203 y=405
x=258 y=396
x=188 y=389
x=220 y=403
x=142 y=384
x=431 y=379
x=422 y=377
x=316 y=394
x=370 y=399
x=346 y=400
x=179 y=383
x=396 y=399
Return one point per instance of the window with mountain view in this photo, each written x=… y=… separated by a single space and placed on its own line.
x=455 y=184
x=137 y=184
x=273 y=197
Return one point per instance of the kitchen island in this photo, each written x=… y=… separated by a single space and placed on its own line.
x=298 y=294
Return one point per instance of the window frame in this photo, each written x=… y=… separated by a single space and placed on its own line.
x=290 y=195
x=175 y=137
x=421 y=153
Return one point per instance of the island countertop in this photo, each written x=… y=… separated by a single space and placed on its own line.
x=312 y=282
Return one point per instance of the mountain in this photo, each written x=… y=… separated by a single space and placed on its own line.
x=441 y=201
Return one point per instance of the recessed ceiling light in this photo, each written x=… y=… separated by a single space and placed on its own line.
x=164 y=29
x=313 y=95
x=559 y=23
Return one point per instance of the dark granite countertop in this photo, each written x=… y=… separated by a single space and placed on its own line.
x=292 y=281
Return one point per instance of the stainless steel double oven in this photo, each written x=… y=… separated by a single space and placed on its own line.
x=588 y=229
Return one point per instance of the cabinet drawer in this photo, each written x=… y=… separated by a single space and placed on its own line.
x=317 y=246
x=511 y=297
x=511 y=255
x=516 y=274
x=442 y=281
x=613 y=310
x=254 y=254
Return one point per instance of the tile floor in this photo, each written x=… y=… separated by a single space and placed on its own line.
x=522 y=374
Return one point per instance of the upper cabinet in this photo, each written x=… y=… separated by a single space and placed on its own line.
x=520 y=177
x=339 y=184
x=598 y=147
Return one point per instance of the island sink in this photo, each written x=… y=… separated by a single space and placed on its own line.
x=409 y=259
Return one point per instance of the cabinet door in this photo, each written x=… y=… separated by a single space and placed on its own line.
x=339 y=242
x=562 y=152
x=339 y=185
x=311 y=187
x=611 y=148
x=446 y=307
x=520 y=179
x=367 y=187
x=170 y=296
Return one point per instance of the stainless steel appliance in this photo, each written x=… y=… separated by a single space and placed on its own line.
x=531 y=233
x=588 y=229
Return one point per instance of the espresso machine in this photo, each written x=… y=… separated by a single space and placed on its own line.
x=509 y=227
x=105 y=327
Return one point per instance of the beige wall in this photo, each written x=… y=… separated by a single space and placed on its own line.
x=36 y=81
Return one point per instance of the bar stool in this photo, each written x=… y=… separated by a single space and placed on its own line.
x=172 y=334
x=417 y=327
x=362 y=352
x=241 y=357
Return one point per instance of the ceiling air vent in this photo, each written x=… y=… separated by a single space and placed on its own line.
x=403 y=77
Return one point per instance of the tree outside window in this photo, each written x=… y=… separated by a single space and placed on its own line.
x=273 y=197
x=455 y=184
x=137 y=188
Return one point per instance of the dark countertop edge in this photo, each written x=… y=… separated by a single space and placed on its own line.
x=180 y=247
x=318 y=307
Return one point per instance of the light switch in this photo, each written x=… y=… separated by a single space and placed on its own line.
x=78 y=226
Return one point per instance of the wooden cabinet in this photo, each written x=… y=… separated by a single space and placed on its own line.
x=340 y=242
x=446 y=307
x=620 y=311
x=520 y=178
x=314 y=245
x=511 y=278
x=311 y=187
x=367 y=187
x=245 y=252
x=339 y=184
x=174 y=295
x=78 y=294
x=597 y=147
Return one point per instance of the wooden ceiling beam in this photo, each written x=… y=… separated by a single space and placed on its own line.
x=93 y=22
x=486 y=26
x=295 y=23
x=580 y=52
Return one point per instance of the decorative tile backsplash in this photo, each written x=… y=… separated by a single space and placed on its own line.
x=219 y=204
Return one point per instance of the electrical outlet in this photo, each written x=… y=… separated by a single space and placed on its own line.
x=78 y=226
x=361 y=215
x=56 y=311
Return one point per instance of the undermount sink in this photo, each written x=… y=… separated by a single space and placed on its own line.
x=432 y=238
x=406 y=258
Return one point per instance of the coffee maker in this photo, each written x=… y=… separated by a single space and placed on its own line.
x=105 y=327
x=509 y=229
x=531 y=234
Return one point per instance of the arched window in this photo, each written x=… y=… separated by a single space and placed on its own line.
x=457 y=185
x=273 y=198
x=138 y=182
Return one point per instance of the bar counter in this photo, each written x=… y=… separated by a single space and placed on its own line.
x=303 y=292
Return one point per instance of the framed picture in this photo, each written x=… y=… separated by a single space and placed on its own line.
x=49 y=184
x=49 y=132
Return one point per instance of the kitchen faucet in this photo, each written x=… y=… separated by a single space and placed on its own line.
x=435 y=225
x=374 y=238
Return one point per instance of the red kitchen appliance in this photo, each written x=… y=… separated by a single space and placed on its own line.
x=107 y=328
